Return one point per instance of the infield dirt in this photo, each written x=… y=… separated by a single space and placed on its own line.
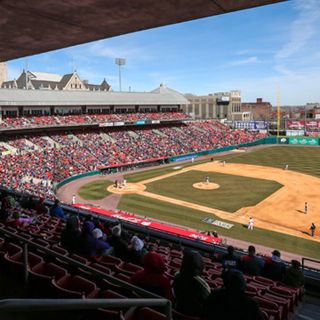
x=282 y=211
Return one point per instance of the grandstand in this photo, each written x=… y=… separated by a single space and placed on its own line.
x=47 y=137
x=33 y=162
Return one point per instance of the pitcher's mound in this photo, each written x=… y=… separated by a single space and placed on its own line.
x=128 y=188
x=206 y=186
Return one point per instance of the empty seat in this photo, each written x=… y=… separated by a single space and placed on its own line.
x=128 y=268
x=264 y=281
x=285 y=303
x=109 y=261
x=15 y=262
x=75 y=287
x=41 y=275
x=271 y=308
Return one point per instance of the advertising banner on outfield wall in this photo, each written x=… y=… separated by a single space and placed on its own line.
x=283 y=140
x=304 y=141
x=251 y=125
x=294 y=133
x=310 y=124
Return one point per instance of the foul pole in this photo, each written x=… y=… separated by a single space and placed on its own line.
x=278 y=115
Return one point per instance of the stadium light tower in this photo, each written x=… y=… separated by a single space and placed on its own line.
x=120 y=62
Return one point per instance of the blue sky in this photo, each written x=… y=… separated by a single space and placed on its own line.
x=256 y=51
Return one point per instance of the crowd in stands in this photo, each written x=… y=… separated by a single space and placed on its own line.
x=205 y=286
x=41 y=159
x=72 y=119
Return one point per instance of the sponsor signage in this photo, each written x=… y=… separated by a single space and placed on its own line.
x=119 y=123
x=283 y=140
x=251 y=125
x=107 y=124
x=140 y=122
x=304 y=141
x=218 y=223
x=294 y=133
x=310 y=124
x=155 y=121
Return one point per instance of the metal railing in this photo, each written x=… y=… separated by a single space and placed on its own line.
x=308 y=259
x=31 y=305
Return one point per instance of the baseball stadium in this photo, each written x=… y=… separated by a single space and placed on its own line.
x=121 y=205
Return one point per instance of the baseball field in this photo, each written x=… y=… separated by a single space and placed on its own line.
x=249 y=184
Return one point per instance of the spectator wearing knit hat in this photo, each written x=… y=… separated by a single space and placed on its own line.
x=136 y=250
x=118 y=243
x=88 y=245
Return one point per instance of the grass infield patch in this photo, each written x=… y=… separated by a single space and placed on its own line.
x=235 y=192
x=95 y=190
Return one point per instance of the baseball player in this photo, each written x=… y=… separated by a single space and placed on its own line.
x=250 y=225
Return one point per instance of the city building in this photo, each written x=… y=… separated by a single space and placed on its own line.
x=19 y=102
x=51 y=81
x=3 y=72
x=221 y=105
x=259 y=110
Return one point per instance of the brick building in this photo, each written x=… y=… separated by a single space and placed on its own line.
x=259 y=110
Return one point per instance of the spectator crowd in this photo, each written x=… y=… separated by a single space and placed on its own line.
x=72 y=119
x=212 y=286
x=31 y=163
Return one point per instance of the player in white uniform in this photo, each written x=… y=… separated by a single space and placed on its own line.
x=250 y=225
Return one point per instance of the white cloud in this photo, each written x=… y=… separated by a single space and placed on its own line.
x=244 y=61
x=302 y=28
x=104 y=48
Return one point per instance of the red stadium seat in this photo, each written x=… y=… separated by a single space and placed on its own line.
x=285 y=303
x=109 y=261
x=272 y=308
x=75 y=287
x=264 y=281
x=41 y=275
x=15 y=262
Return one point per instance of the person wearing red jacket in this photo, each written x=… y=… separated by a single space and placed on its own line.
x=152 y=277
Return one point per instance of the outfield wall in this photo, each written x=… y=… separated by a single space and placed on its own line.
x=268 y=140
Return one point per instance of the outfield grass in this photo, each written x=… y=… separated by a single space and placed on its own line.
x=193 y=218
x=301 y=159
x=234 y=193
x=148 y=174
x=95 y=190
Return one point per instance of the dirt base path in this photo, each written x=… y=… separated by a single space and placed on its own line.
x=282 y=211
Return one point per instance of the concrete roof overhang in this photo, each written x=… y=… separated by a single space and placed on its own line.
x=33 y=26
